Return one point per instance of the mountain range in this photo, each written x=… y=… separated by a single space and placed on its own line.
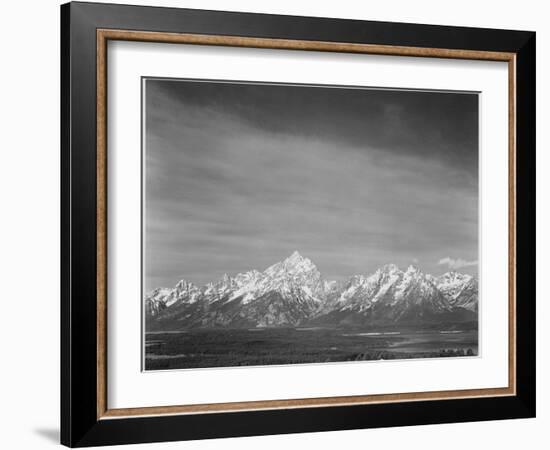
x=293 y=293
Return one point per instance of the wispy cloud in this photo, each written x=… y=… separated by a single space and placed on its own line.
x=455 y=264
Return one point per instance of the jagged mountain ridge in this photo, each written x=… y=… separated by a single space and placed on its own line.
x=292 y=292
x=460 y=289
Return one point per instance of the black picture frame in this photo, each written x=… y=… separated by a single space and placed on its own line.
x=80 y=425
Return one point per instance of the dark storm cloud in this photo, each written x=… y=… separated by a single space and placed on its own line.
x=240 y=175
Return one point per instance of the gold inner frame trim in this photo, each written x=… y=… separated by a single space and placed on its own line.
x=104 y=35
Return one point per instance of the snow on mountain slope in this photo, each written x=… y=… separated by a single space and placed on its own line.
x=390 y=295
x=155 y=301
x=452 y=283
x=459 y=289
x=292 y=292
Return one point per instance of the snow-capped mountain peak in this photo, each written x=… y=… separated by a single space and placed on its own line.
x=461 y=290
x=294 y=264
x=293 y=292
x=389 y=268
x=453 y=277
x=451 y=283
x=295 y=258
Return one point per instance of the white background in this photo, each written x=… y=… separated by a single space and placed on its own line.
x=29 y=246
x=129 y=387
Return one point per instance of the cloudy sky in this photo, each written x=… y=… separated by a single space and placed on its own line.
x=239 y=175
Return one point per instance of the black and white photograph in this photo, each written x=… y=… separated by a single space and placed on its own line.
x=293 y=224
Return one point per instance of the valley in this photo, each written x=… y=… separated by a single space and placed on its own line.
x=203 y=348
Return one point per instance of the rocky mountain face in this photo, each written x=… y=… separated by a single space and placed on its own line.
x=156 y=301
x=460 y=289
x=292 y=292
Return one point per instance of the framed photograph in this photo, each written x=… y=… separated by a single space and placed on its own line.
x=276 y=224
